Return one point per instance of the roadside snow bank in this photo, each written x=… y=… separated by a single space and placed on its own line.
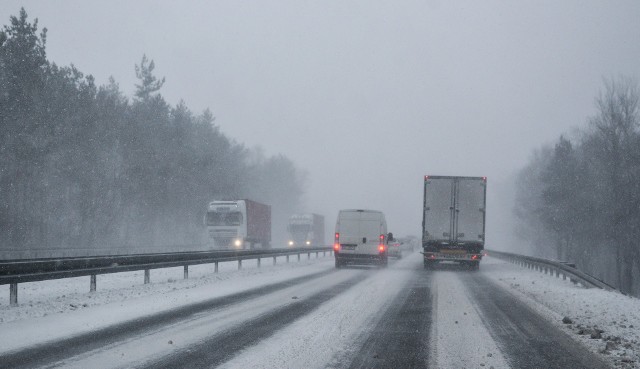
x=607 y=322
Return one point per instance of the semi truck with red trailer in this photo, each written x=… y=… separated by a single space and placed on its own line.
x=239 y=224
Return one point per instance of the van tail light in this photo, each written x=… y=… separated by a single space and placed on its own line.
x=336 y=242
x=381 y=244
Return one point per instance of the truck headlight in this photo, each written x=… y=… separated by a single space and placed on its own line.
x=238 y=243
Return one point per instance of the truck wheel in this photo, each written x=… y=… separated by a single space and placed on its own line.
x=339 y=264
x=475 y=265
x=428 y=264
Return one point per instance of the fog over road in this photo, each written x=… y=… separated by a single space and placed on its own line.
x=360 y=317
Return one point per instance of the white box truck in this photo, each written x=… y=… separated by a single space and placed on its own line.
x=453 y=222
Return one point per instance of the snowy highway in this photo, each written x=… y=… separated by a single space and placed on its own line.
x=314 y=316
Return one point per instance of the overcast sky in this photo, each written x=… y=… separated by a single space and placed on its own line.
x=367 y=96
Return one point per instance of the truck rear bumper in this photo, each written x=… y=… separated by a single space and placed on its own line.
x=439 y=256
x=361 y=258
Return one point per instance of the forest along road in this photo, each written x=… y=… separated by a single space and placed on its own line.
x=359 y=317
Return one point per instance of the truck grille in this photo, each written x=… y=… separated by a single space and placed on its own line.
x=223 y=233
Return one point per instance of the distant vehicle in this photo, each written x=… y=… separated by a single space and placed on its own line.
x=239 y=224
x=306 y=230
x=395 y=247
x=360 y=238
x=453 y=223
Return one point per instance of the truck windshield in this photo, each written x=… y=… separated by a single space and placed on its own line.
x=299 y=228
x=224 y=219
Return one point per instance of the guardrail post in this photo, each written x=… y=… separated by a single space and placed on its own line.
x=258 y=262
x=147 y=276
x=274 y=260
x=308 y=256
x=215 y=268
x=92 y=283
x=317 y=254
x=564 y=276
x=186 y=272
x=287 y=259
x=13 y=294
x=239 y=264
x=298 y=256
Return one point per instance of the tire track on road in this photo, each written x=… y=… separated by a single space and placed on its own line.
x=57 y=351
x=528 y=340
x=401 y=338
x=224 y=346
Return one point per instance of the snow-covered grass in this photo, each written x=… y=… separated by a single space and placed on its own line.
x=612 y=318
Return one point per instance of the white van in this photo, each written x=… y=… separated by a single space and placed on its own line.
x=360 y=238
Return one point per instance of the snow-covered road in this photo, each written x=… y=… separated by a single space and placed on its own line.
x=310 y=315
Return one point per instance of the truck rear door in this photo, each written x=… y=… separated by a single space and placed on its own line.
x=438 y=209
x=470 y=209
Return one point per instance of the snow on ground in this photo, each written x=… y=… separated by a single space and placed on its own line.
x=459 y=338
x=154 y=345
x=325 y=337
x=612 y=318
x=37 y=299
x=50 y=310
x=65 y=307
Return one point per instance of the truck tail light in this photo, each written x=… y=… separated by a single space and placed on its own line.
x=336 y=242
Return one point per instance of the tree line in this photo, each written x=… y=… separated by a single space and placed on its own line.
x=578 y=200
x=85 y=167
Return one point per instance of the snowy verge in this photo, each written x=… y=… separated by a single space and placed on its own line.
x=61 y=310
x=606 y=322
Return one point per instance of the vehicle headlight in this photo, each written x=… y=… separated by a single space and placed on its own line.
x=308 y=242
x=237 y=243
x=290 y=243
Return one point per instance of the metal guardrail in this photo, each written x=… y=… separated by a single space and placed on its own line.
x=549 y=266
x=13 y=272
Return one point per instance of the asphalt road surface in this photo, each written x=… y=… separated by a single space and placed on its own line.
x=401 y=316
